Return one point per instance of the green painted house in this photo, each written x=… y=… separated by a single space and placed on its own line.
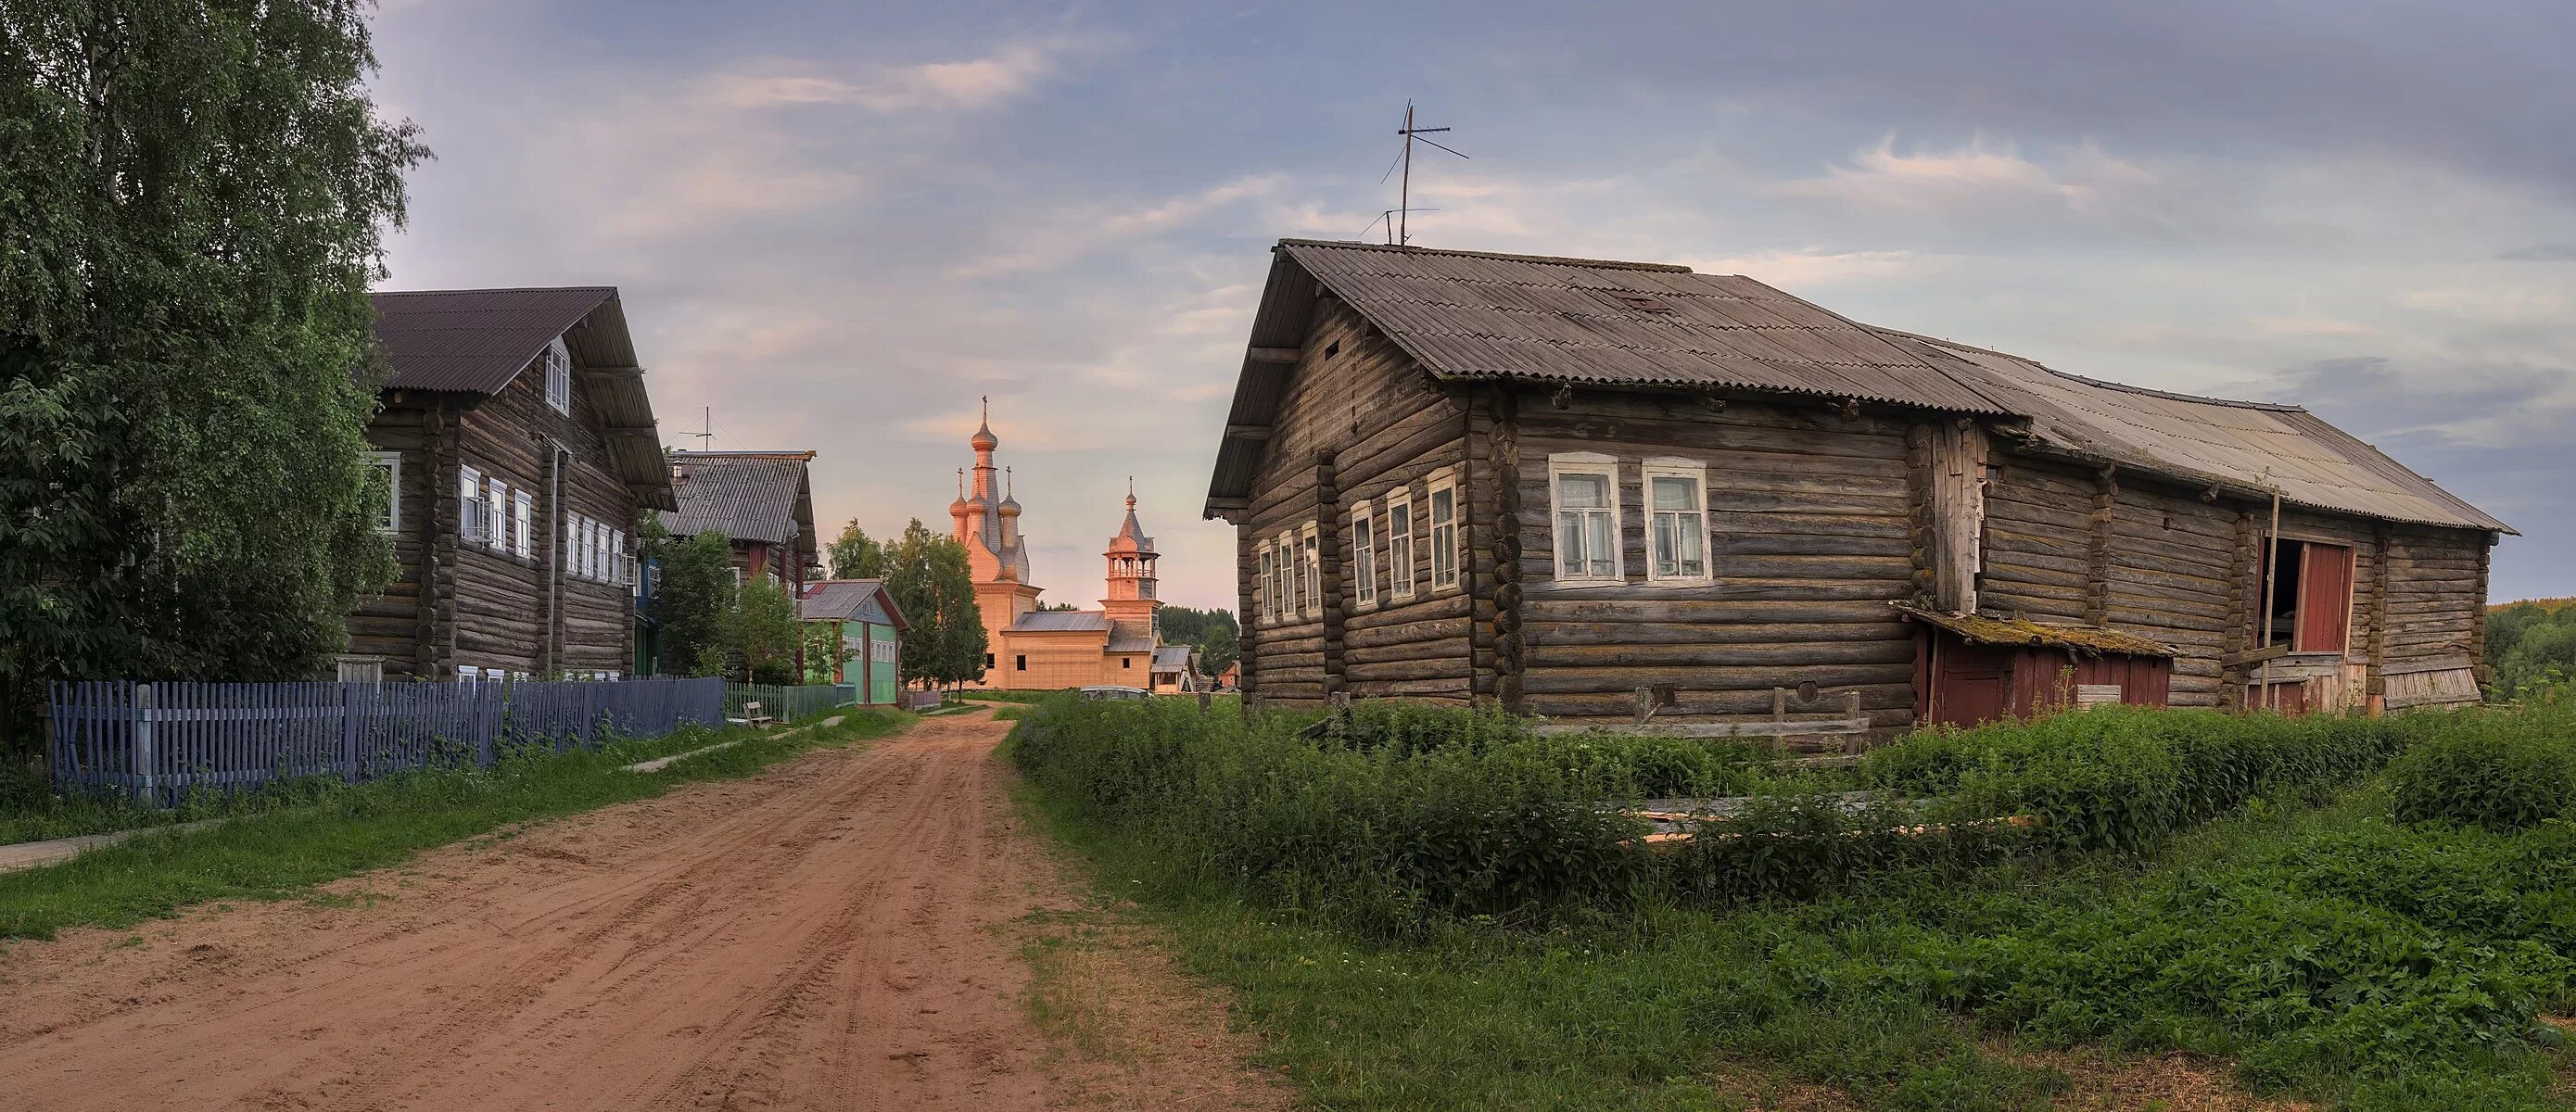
x=871 y=628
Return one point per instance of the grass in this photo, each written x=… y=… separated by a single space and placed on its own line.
x=2268 y=915
x=311 y=834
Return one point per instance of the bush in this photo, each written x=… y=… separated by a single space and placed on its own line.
x=2499 y=769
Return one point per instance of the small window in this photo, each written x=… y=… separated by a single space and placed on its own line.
x=1313 y=548
x=523 y=513
x=571 y=542
x=1126 y=662
x=497 y=497
x=1292 y=585
x=1399 y=543
x=474 y=515
x=1583 y=488
x=361 y=669
x=1020 y=662
x=559 y=376
x=1363 y=557
x=1444 y=533
x=988 y=660
x=468 y=673
x=384 y=489
x=1262 y=595
x=1677 y=521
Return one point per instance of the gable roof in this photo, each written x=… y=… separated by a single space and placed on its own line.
x=747 y=496
x=476 y=342
x=1172 y=658
x=850 y=600
x=1466 y=316
x=2244 y=447
x=1060 y=621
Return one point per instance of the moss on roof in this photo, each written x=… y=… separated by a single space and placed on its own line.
x=2090 y=640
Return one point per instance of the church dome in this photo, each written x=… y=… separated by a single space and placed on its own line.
x=984 y=440
x=1010 y=507
x=958 y=508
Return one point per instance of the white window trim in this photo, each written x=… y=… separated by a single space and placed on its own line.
x=1401 y=584
x=496 y=494
x=469 y=494
x=1445 y=479
x=1292 y=595
x=1584 y=463
x=391 y=464
x=1363 y=558
x=523 y=518
x=1310 y=550
x=1672 y=467
x=559 y=376
x=1259 y=612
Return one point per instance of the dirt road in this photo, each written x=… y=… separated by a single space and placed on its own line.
x=833 y=934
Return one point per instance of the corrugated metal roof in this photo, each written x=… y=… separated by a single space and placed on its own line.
x=748 y=496
x=1467 y=315
x=1060 y=621
x=1172 y=658
x=477 y=341
x=850 y=600
x=2248 y=447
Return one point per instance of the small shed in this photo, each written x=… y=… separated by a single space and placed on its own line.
x=871 y=628
x=1973 y=670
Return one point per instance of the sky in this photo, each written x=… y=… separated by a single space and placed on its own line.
x=836 y=226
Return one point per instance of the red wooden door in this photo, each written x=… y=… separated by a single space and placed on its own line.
x=2325 y=599
x=1971 y=684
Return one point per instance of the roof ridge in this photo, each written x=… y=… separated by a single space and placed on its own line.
x=746 y=453
x=492 y=289
x=2123 y=387
x=1563 y=260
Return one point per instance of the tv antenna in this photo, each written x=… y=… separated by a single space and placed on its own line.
x=707 y=435
x=1398 y=232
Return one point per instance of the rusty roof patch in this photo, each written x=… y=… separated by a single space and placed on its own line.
x=2089 y=640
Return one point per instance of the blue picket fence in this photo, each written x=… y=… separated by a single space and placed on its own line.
x=788 y=704
x=156 y=742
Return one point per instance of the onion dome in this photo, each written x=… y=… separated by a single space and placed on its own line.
x=1010 y=506
x=984 y=440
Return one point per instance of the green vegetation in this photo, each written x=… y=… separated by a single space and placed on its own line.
x=852 y=555
x=2507 y=774
x=931 y=583
x=287 y=840
x=2531 y=647
x=1434 y=909
x=764 y=630
x=1213 y=633
x=194 y=206
x=693 y=595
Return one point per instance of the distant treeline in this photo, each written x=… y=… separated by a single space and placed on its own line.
x=2531 y=645
x=1212 y=632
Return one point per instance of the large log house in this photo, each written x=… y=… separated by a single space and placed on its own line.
x=1558 y=483
x=520 y=448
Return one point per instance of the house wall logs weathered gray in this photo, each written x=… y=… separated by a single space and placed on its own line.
x=1398 y=406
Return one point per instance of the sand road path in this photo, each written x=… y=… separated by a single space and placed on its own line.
x=834 y=933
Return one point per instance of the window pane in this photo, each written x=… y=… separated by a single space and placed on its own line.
x=1582 y=491
x=1673 y=492
x=1694 y=535
x=1600 y=545
x=1665 y=558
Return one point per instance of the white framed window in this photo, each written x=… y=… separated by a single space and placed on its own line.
x=559 y=376
x=1583 y=502
x=1363 y=557
x=468 y=673
x=1442 y=499
x=615 y=572
x=1292 y=589
x=1311 y=548
x=1399 y=543
x=384 y=473
x=1677 y=521
x=496 y=494
x=474 y=515
x=523 y=516
x=1263 y=597
x=571 y=540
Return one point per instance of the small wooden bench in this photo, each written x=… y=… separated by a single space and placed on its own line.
x=752 y=715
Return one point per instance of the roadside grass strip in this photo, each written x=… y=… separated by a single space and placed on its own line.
x=322 y=832
x=1434 y=909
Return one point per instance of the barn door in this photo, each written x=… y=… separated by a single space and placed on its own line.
x=1971 y=684
x=2325 y=599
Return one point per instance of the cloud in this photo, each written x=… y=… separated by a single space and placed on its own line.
x=2540 y=253
x=1977 y=175
x=1011 y=71
x=1063 y=236
x=1802 y=269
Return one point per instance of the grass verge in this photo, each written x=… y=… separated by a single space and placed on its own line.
x=316 y=834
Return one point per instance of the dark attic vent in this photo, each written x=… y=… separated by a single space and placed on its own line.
x=1332 y=349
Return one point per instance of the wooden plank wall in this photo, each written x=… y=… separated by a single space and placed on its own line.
x=388 y=625
x=2170 y=558
x=1812 y=536
x=1358 y=419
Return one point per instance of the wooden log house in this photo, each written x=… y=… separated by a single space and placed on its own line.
x=1571 y=486
x=519 y=448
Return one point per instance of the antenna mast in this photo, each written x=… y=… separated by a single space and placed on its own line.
x=707 y=435
x=1404 y=188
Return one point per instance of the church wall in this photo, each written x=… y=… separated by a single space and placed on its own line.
x=1360 y=422
x=1054 y=661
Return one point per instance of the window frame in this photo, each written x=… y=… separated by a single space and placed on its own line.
x=1443 y=481
x=391 y=464
x=1590 y=465
x=1310 y=553
x=1676 y=467
x=1363 y=558
x=558 y=360
x=469 y=494
x=1262 y=595
x=1402 y=584
x=496 y=496
x=1292 y=596
x=523 y=517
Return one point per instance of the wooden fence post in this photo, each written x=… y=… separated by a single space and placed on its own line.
x=143 y=760
x=348 y=733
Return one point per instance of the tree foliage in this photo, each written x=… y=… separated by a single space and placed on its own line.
x=192 y=198
x=692 y=599
x=853 y=555
x=764 y=632
x=932 y=583
x=1212 y=632
x=2531 y=647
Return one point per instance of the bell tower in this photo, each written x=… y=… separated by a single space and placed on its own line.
x=1131 y=569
